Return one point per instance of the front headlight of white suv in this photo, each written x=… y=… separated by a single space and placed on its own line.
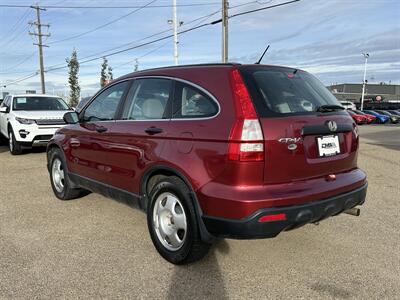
x=25 y=121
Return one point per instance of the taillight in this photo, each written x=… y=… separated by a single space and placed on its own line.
x=246 y=141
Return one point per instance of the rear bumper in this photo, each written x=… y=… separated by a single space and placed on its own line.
x=296 y=216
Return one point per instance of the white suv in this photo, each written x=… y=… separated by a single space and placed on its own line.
x=31 y=120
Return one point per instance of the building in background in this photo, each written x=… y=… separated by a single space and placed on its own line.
x=373 y=92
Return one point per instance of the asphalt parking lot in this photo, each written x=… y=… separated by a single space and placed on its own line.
x=95 y=247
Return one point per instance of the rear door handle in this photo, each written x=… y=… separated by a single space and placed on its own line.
x=153 y=130
x=101 y=129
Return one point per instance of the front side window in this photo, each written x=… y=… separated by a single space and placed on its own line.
x=147 y=99
x=39 y=103
x=104 y=106
x=190 y=102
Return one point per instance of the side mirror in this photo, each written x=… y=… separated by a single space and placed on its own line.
x=4 y=109
x=71 y=117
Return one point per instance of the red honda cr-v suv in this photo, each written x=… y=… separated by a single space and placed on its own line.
x=208 y=151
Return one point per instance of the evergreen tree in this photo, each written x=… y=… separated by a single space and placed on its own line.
x=110 y=74
x=103 y=73
x=73 y=73
x=136 y=65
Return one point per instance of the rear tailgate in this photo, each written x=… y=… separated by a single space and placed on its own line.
x=306 y=131
x=292 y=152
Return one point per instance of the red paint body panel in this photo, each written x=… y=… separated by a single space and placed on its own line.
x=197 y=149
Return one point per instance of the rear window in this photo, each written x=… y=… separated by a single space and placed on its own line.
x=39 y=103
x=280 y=91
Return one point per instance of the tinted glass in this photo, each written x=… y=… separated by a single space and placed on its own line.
x=190 y=102
x=382 y=112
x=370 y=112
x=283 y=91
x=82 y=103
x=105 y=105
x=39 y=103
x=147 y=99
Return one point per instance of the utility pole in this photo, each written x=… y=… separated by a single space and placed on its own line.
x=39 y=34
x=224 y=31
x=366 y=55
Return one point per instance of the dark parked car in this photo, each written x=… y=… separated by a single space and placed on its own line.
x=209 y=151
x=394 y=112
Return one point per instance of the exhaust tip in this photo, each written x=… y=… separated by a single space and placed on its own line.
x=353 y=211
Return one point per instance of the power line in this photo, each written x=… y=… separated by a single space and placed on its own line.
x=137 y=46
x=103 y=25
x=22 y=79
x=111 y=7
x=170 y=35
x=262 y=8
x=141 y=56
x=202 y=18
x=18 y=64
x=19 y=21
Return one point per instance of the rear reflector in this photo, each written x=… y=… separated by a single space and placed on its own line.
x=271 y=218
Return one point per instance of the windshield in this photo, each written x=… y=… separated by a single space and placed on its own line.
x=282 y=91
x=39 y=103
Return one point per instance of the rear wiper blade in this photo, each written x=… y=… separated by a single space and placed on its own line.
x=328 y=108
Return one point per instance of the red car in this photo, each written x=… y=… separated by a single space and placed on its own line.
x=370 y=118
x=210 y=151
x=359 y=119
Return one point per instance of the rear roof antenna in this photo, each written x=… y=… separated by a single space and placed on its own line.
x=265 y=51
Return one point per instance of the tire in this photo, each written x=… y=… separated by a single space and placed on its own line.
x=172 y=222
x=59 y=180
x=15 y=147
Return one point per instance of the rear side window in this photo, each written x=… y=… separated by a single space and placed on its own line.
x=105 y=105
x=147 y=99
x=282 y=91
x=191 y=102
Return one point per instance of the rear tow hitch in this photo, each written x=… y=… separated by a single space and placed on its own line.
x=353 y=211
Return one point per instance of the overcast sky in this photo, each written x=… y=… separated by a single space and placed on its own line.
x=325 y=37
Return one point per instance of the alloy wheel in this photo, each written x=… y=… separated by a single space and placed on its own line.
x=57 y=174
x=169 y=221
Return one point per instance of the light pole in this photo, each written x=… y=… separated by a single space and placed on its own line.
x=366 y=55
x=175 y=24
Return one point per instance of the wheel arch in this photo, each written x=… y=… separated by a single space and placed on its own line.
x=51 y=146
x=161 y=170
x=9 y=126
